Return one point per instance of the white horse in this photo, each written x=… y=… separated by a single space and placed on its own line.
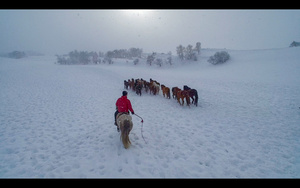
x=124 y=123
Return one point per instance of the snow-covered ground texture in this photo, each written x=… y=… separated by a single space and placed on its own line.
x=56 y=121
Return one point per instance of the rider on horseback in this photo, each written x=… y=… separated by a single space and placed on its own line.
x=123 y=105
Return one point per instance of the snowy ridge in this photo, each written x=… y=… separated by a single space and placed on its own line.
x=57 y=121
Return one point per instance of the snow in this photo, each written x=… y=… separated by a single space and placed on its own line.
x=56 y=121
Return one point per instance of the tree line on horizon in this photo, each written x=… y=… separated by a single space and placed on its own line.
x=188 y=53
x=85 y=57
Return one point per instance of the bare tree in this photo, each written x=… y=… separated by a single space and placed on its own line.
x=198 y=47
x=180 y=51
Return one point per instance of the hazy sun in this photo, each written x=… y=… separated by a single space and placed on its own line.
x=137 y=12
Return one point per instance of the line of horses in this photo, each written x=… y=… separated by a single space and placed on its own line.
x=124 y=121
x=153 y=87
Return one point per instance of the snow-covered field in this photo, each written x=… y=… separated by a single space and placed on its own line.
x=56 y=121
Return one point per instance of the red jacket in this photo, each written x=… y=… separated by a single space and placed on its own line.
x=123 y=104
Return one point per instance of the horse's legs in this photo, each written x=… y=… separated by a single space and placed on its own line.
x=187 y=101
x=178 y=100
x=192 y=99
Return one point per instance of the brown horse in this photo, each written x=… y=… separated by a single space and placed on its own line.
x=192 y=93
x=138 y=85
x=182 y=94
x=154 y=87
x=130 y=83
x=174 y=92
x=126 y=84
x=146 y=86
x=165 y=91
x=124 y=122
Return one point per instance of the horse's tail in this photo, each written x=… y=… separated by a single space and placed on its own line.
x=125 y=129
x=196 y=98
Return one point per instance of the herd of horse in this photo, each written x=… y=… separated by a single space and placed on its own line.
x=153 y=87
x=124 y=121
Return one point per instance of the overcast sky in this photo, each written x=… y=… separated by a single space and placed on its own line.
x=61 y=31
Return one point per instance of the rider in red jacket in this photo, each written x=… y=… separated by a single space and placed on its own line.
x=123 y=105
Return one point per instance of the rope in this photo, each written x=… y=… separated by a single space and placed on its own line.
x=141 y=127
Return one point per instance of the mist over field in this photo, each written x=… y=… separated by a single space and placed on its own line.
x=61 y=72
